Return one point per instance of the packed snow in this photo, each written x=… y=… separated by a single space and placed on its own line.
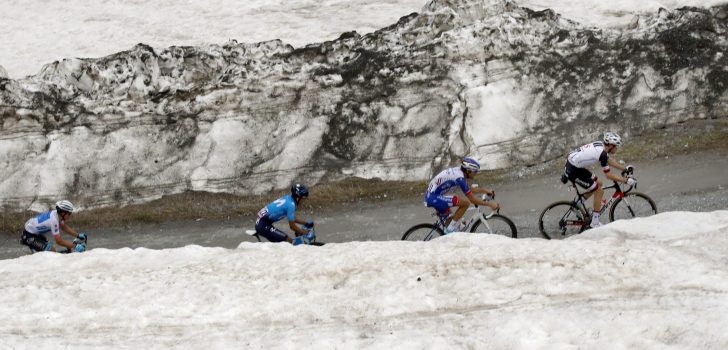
x=658 y=282
x=649 y=283
x=37 y=32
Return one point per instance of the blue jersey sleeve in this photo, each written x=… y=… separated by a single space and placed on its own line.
x=463 y=185
x=291 y=211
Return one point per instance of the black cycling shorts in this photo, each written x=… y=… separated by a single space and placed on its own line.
x=264 y=227
x=37 y=243
x=582 y=177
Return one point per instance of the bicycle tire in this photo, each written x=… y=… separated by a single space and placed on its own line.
x=422 y=232
x=563 y=219
x=498 y=224
x=634 y=204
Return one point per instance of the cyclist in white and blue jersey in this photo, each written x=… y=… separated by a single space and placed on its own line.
x=589 y=154
x=440 y=193
x=53 y=222
x=285 y=207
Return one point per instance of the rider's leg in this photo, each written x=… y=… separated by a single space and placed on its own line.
x=598 y=194
x=265 y=228
x=36 y=243
x=443 y=206
x=463 y=204
x=593 y=186
x=582 y=177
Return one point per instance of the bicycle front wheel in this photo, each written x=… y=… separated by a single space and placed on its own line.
x=632 y=205
x=497 y=225
x=561 y=219
x=422 y=232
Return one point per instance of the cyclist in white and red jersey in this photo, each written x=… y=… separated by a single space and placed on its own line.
x=439 y=194
x=589 y=154
x=52 y=222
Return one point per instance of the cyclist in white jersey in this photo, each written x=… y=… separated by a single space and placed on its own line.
x=439 y=194
x=53 y=222
x=589 y=154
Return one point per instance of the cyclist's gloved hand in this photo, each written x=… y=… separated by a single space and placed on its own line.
x=80 y=248
x=308 y=238
x=631 y=181
x=629 y=169
x=492 y=195
x=82 y=237
x=308 y=225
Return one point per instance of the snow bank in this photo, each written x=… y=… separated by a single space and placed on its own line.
x=647 y=283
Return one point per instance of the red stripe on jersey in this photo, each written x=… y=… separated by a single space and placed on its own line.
x=606 y=169
x=469 y=193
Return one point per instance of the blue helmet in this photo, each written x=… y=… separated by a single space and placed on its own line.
x=299 y=191
x=470 y=164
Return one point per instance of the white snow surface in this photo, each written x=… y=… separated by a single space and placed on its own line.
x=38 y=32
x=652 y=283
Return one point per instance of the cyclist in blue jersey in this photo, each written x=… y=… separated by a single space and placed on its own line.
x=439 y=194
x=53 y=222
x=285 y=207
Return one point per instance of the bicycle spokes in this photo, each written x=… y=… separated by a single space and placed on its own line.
x=561 y=219
x=633 y=205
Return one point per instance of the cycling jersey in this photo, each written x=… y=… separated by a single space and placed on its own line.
x=446 y=181
x=44 y=223
x=276 y=210
x=440 y=190
x=589 y=154
x=279 y=208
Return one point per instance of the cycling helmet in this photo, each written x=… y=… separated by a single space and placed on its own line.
x=299 y=191
x=611 y=138
x=65 y=205
x=470 y=164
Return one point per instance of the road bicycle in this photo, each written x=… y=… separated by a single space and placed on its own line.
x=566 y=218
x=255 y=234
x=479 y=222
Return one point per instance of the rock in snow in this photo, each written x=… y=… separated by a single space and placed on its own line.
x=505 y=84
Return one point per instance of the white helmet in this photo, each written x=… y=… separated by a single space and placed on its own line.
x=611 y=138
x=65 y=205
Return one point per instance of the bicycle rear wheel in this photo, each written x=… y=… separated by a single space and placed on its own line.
x=632 y=205
x=422 y=232
x=561 y=220
x=497 y=225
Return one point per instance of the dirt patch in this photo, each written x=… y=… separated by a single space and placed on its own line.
x=682 y=138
